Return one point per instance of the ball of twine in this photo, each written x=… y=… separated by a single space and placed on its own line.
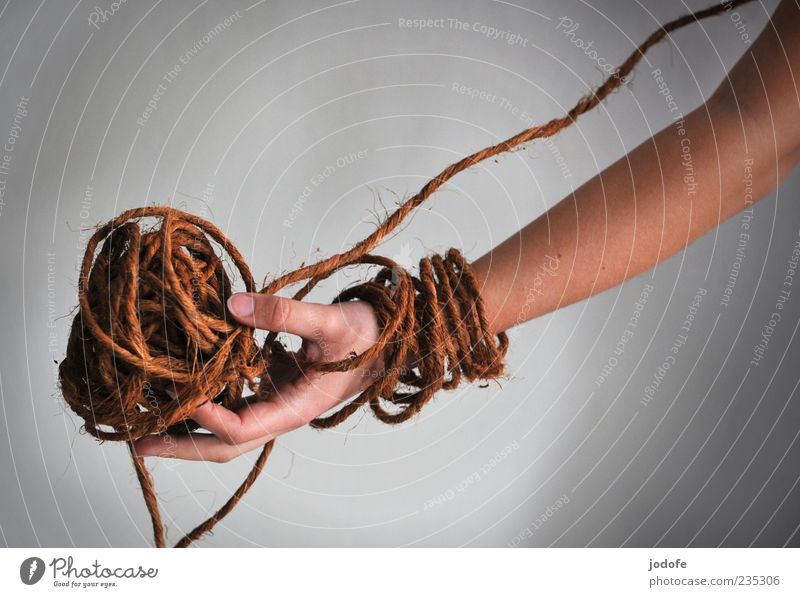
x=152 y=340
x=153 y=322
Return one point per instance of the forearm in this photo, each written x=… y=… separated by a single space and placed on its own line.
x=653 y=202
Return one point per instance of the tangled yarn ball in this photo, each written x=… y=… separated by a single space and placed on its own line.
x=153 y=337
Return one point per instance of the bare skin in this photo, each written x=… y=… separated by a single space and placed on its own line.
x=633 y=215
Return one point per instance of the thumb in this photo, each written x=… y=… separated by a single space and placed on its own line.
x=278 y=314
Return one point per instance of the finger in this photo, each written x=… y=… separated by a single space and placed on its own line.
x=194 y=446
x=278 y=314
x=284 y=412
x=246 y=429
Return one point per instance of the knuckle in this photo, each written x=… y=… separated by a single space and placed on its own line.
x=232 y=437
x=334 y=324
x=274 y=311
x=353 y=319
x=222 y=457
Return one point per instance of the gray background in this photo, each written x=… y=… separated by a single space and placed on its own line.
x=545 y=458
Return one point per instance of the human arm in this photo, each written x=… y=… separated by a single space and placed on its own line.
x=640 y=211
x=625 y=220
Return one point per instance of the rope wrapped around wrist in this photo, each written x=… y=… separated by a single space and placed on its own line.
x=435 y=333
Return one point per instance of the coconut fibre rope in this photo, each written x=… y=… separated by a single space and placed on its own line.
x=152 y=340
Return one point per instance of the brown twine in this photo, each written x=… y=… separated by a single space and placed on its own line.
x=152 y=340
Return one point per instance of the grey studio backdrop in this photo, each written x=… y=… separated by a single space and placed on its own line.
x=295 y=126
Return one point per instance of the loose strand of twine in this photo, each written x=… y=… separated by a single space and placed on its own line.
x=153 y=341
x=588 y=102
x=149 y=494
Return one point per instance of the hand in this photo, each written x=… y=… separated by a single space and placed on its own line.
x=329 y=333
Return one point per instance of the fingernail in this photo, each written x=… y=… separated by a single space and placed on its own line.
x=241 y=304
